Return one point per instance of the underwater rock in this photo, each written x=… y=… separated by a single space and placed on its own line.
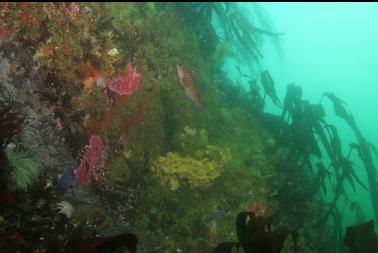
x=107 y=244
x=10 y=124
x=6 y=198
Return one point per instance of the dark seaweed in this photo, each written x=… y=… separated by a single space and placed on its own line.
x=255 y=235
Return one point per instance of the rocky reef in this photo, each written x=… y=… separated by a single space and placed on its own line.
x=124 y=121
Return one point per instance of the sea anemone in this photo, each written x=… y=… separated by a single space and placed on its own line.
x=65 y=208
x=24 y=168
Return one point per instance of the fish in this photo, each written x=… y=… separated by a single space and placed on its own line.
x=190 y=88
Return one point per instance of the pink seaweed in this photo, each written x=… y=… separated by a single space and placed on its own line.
x=92 y=163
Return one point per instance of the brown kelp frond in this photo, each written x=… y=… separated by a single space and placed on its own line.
x=268 y=85
x=308 y=120
x=292 y=100
x=365 y=149
x=255 y=235
x=361 y=238
x=314 y=151
x=339 y=106
x=232 y=24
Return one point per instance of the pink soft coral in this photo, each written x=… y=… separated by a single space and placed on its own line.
x=92 y=163
x=128 y=84
x=72 y=9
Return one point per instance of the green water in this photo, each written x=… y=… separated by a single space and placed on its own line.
x=331 y=47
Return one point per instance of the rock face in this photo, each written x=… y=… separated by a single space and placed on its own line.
x=123 y=149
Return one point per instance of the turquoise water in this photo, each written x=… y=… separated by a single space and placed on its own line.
x=330 y=47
